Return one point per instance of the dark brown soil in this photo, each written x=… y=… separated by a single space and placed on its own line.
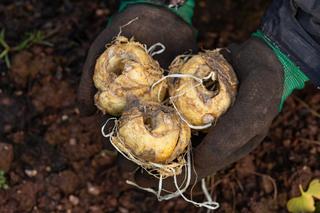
x=55 y=161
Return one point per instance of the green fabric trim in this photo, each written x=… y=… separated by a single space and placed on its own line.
x=294 y=78
x=185 y=11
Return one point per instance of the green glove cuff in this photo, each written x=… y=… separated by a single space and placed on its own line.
x=185 y=11
x=294 y=78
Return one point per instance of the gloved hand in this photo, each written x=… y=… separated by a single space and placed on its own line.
x=264 y=85
x=154 y=24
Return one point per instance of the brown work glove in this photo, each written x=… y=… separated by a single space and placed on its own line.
x=154 y=24
x=247 y=122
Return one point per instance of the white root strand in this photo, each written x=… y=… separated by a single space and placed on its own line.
x=205 y=191
x=104 y=126
x=152 y=51
x=123 y=26
x=209 y=204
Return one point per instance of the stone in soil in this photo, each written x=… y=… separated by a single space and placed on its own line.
x=6 y=153
x=25 y=194
x=66 y=181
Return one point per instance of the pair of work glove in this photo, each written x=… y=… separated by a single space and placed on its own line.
x=262 y=83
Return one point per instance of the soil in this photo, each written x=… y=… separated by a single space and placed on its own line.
x=55 y=161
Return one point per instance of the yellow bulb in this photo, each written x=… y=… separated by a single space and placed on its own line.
x=201 y=103
x=153 y=133
x=126 y=71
